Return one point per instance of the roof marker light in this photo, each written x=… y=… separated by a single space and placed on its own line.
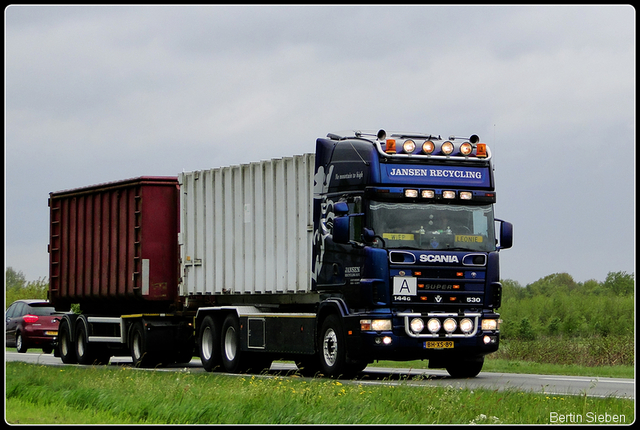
x=448 y=194
x=412 y=194
x=428 y=194
x=465 y=195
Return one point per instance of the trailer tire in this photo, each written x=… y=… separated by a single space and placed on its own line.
x=209 y=344
x=139 y=349
x=233 y=358
x=66 y=346
x=332 y=348
x=86 y=352
x=465 y=368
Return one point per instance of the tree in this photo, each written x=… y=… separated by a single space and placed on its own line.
x=551 y=284
x=17 y=287
x=619 y=283
x=13 y=279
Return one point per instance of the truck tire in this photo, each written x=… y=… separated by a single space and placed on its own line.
x=66 y=347
x=86 y=352
x=465 y=368
x=233 y=359
x=139 y=348
x=332 y=347
x=209 y=344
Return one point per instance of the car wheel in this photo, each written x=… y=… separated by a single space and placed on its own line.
x=21 y=346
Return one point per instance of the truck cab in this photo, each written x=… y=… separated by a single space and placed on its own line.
x=405 y=239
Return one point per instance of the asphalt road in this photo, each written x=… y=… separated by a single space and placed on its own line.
x=548 y=384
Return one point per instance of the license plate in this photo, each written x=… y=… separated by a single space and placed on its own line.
x=51 y=333
x=438 y=344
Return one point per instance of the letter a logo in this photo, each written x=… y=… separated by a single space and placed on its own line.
x=405 y=286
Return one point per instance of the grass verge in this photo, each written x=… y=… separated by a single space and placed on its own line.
x=37 y=394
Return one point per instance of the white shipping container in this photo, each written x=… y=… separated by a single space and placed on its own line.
x=247 y=229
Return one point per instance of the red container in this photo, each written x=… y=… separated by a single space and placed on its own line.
x=113 y=248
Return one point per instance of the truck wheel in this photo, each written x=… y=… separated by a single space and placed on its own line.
x=86 y=352
x=209 y=344
x=65 y=346
x=139 y=349
x=465 y=368
x=20 y=345
x=333 y=351
x=232 y=356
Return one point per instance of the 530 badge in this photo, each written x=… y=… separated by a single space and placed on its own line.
x=474 y=300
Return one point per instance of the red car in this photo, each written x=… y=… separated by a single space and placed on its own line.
x=32 y=324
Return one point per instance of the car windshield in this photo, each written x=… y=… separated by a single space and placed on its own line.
x=433 y=226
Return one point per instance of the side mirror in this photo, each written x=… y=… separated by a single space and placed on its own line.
x=368 y=235
x=506 y=235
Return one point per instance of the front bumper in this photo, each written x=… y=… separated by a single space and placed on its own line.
x=401 y=344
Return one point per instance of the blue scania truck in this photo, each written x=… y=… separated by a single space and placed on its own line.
x=376 y=247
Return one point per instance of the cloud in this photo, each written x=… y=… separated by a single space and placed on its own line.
x=100 y=93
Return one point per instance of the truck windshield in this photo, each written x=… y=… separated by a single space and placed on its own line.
x=433 y=226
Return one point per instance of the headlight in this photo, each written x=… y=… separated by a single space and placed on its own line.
x=466 y=325
x=428 y=194
x=448 y=194
x=381 y=325
x=489 y=324
x=447 y=148
x=466 y=195
x=417 y=325
x=409 y=146
x=450 y=325
x=434 y=325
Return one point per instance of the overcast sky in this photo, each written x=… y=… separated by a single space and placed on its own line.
x=98 y=94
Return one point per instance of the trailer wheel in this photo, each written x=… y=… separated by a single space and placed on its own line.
x=65 y=345
x=209 y=344
x=232 y=356
x=86 y=352
x=333 y=351
x=139 y=349
x=465 y=368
